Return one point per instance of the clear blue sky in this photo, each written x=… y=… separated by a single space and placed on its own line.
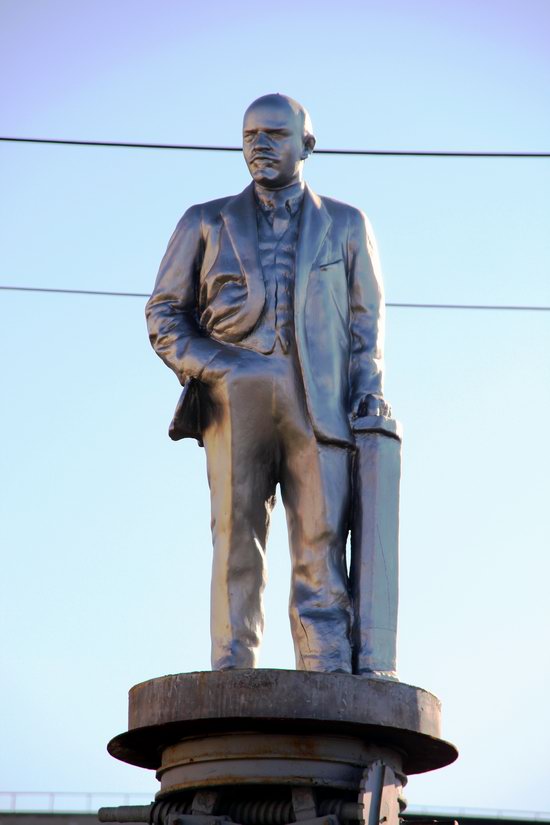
x=105 y=522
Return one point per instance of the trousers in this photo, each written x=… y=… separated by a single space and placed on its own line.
x=257 y=434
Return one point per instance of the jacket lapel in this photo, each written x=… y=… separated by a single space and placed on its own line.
x=314 y=225
x=239 y=217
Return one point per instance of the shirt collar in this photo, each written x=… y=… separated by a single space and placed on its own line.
x=291 y=197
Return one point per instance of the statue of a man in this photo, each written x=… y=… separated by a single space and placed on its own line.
x=268 y=307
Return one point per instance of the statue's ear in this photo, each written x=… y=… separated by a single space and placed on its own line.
x=309 y=145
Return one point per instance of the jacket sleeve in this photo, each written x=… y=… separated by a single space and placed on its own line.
x=367 y=311
x=172 y=310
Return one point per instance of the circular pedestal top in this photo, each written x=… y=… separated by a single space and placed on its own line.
x=392 y=714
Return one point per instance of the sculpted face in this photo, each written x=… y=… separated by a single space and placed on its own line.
x=275 y=141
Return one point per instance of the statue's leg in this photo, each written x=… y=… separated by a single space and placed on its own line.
x=316 y=498
x=315 y=486
x=239 y=446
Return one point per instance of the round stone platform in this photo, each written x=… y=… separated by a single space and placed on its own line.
x=278 y=726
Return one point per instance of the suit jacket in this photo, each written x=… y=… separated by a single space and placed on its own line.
x=210 y=293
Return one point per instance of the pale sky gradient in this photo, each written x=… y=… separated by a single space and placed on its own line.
x=105 y=522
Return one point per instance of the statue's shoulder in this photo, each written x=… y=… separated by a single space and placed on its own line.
x=351 y=220
x=207 y=211
x=342 y=210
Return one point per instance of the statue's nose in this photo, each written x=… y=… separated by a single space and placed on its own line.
x=262 y=139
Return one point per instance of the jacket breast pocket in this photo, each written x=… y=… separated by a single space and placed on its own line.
x=330 y=266
x=328 y=293
x=331 y=274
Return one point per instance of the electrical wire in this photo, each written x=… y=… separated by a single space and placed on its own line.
x=200 y=148
x=204 y=148
x=392 y=304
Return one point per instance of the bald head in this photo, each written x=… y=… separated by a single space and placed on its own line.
x=277 y=138
x=285 y=104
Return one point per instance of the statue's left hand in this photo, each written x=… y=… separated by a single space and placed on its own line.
x=373 y=405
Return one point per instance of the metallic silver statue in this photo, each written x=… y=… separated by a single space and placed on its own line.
x=268 y=307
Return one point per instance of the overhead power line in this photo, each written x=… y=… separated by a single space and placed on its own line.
x=107 y=293
x=200 y=148
x=393 y=304
x=507 y=307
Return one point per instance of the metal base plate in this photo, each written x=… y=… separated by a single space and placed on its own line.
x=375 y=712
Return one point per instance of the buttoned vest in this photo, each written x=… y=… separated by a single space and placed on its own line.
x=277 y=258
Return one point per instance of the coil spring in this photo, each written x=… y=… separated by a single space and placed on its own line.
x=257 y=811
x=344 y=810
x=262 y=812
x=160 y=811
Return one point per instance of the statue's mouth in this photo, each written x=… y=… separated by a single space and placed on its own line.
x=264 y=159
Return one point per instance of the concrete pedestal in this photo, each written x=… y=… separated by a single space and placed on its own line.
x=297 y=745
